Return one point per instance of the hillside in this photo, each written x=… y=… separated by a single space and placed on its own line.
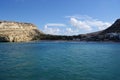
x=18 y=32
x=112 y=33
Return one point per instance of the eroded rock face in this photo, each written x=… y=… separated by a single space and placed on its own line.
x=18 y=32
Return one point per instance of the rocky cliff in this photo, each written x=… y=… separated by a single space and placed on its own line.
x=18 y=32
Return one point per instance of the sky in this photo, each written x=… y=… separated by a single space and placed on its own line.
x=62 y=17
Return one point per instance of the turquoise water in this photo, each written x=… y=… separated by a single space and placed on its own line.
x=60 y=61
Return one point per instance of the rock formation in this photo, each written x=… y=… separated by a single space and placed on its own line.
x=18 y=32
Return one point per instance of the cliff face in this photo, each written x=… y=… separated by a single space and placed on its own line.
x=18 y=32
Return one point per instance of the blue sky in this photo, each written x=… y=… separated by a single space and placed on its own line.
x=66 y=17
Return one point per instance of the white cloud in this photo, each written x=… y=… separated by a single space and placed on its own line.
x=53 y=28
x=55 y=25
x=52 y=31
x=79 y=24
x=81 y=17
x=99 y=24
x=87 y=23
x=69 y=30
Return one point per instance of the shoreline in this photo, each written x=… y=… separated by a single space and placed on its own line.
x=64 y=41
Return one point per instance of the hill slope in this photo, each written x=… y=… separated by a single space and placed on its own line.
x=18 y=32
x=114 y=28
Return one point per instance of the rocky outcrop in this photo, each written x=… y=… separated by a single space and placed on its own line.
x=18 y=32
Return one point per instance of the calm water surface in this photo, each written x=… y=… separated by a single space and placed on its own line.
x=60 y=61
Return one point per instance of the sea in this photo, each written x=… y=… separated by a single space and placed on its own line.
x=60 y=60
